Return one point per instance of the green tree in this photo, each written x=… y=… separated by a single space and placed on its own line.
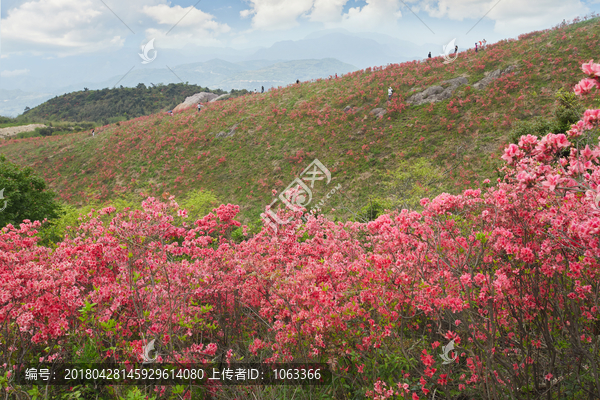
x=567 y=111
x=24 y=195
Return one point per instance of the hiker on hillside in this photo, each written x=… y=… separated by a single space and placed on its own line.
x=455 y=49
x=298 y=81
x=199 y=107
x=475 y=47
x=390 y=91
x=484 y=43
x=262 y=89
x=93 y=132
x=429 y=55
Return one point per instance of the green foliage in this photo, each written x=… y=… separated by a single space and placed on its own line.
x=538 y=126
x=412 y=181
x=238 y=235
x=24 y=195
x=7 y=121
x=55 y=231
x=46 y=131
x=236 y=92
x=136 y=394
x=371 y=211
x=198 y=204
x=567 y=111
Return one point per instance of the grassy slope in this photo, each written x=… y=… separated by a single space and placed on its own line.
x=284 y=130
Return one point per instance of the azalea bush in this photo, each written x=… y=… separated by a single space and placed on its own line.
x=508 y=273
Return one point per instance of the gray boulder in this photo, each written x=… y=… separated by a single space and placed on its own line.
x=437 y=93
x=492 y=76
x=231 y=132
x=221 y=97
x=201 y=97
x=378 y=112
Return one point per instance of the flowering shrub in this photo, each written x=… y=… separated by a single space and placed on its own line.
x=509 y=273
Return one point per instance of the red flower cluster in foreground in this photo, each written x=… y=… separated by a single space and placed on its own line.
x=510 y=273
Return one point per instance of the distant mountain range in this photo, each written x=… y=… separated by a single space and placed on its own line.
x=318 y=55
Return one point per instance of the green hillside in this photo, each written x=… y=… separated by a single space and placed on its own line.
x=112 y=105
x=411 y=151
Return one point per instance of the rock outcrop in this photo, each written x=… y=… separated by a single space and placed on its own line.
x=444 y=91
x=15 y=130
x=201 y=97
x=378 y=112
x=230 y=132
x=221 y=97
x=492 y=76
x=437 y=93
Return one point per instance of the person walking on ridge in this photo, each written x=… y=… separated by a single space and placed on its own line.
x=199 y=106
x=262 y=89
x=429 y=55
x=455 y=49
x=93 y=132
x=475 y=47
x=390 y=91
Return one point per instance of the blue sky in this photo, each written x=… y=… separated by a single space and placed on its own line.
x=34 y=31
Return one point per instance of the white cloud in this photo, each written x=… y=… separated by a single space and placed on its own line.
x=374 y=14
x=327 y=10
x=276 y=14
x=75 y=26
x=67 y=27
x=16 y=72
x=284 y=14
x=184 y=26
x=510 y=16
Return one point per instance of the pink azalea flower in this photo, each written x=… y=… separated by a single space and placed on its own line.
x=591 y=118
x=559 y=140
x=584 y=86
x=591 y=69
x=551 y=182
x=576 y=129
x=510 y=152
